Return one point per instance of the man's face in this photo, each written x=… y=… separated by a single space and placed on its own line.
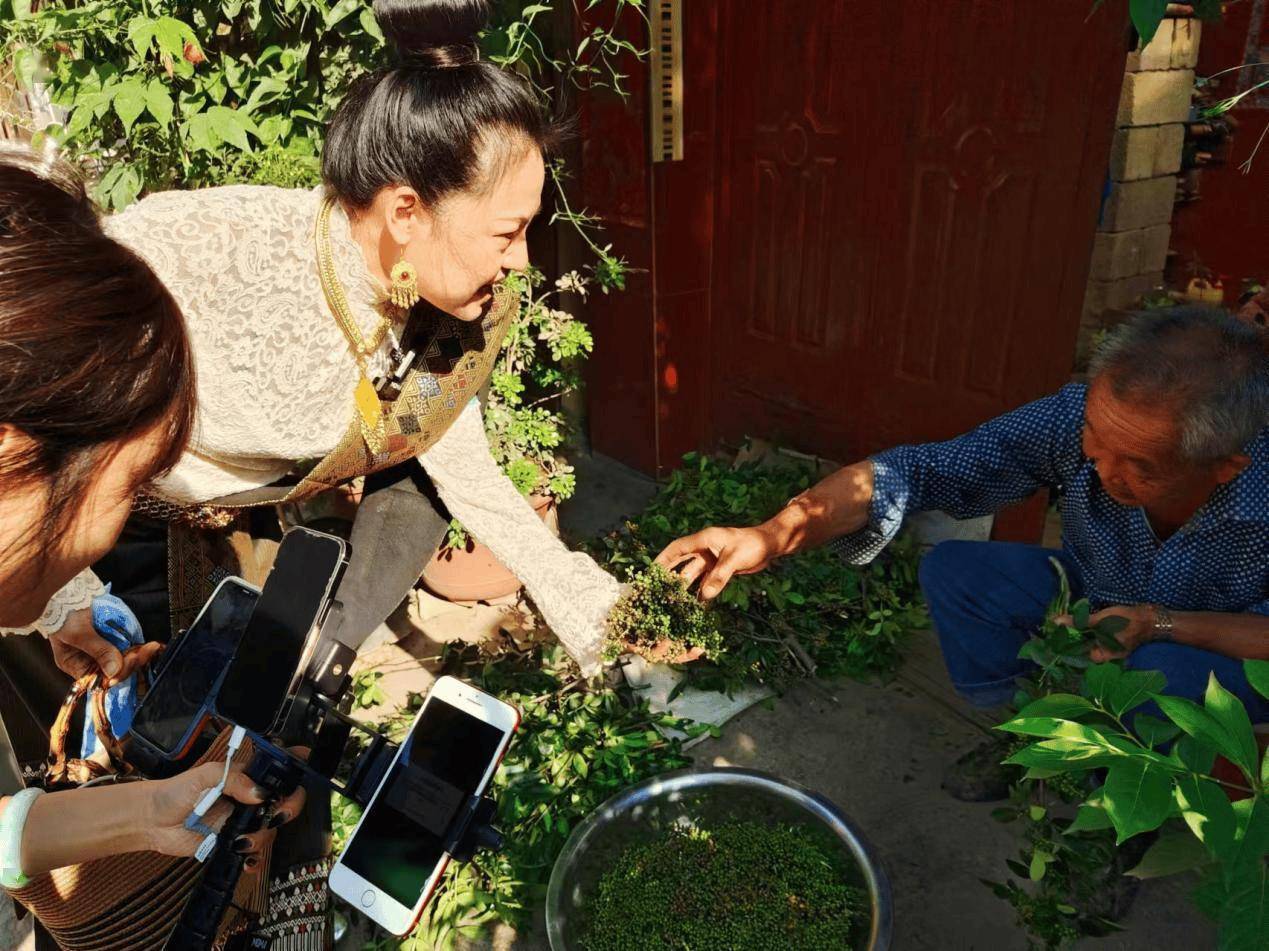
x=1136 y=449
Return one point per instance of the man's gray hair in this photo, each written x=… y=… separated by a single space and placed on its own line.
x=1211 y=367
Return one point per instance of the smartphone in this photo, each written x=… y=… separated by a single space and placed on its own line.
x=282 y=629
x=174 y=709
x=396 y=855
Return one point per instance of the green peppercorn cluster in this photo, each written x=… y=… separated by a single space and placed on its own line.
x=658 y=609
x=736 y=885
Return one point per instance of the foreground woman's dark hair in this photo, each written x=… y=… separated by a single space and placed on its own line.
x=92 y=346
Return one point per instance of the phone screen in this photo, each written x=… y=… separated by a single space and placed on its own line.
x=401 y=836
x=296 y=591
x=188 y=678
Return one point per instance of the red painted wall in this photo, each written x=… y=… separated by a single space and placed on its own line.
x=1227 y=228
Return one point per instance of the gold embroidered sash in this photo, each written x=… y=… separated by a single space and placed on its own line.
x=448 y=372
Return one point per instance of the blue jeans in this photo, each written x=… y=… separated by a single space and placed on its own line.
x=987 y=598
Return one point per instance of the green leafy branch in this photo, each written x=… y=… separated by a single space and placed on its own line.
x=1156 y=771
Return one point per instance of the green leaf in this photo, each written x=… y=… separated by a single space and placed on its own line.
x=1258 y=676
x=1173 y=852
x=1100 y=680
x=1064 y=706
x=1133 y=688
x=172 y=35
x=1039 y=862
x=1194 y=756
x=1207 y=811
x=1138 y=797
x=130 y=102
x=1230 y=713
x=1111 y=626
x=158 y=101
x=1051 y=727
x=370 y=24
x=81 y=118
x=1146 y=17
x=199 y=133
x=141 y=34
x=1089 y=819
x=231 y=126
x=1080 y=613
x=1201 y=725
x=334 y=15
x=1153 y=730
x=1244 y=918
x=126 y=189
x=25 y=63
x=1064 y=755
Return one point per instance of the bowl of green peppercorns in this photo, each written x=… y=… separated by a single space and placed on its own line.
x=718 y=858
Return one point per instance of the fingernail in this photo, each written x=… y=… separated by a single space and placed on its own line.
x=277 y=819
x=111 y=667
x=242 y=844
x=259 y=792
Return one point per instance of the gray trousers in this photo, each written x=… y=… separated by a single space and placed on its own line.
x=399 y=525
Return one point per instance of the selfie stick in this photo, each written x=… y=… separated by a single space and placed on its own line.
x=312 y=714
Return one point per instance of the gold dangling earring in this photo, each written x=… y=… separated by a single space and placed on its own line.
x=404 y=292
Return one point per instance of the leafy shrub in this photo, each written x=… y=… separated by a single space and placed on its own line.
x=1078 y=719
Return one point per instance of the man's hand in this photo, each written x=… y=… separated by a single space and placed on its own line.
x=1138 y=630
x=713 y=555
x=78 y=650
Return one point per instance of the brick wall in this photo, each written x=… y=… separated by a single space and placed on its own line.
x=1132 y=240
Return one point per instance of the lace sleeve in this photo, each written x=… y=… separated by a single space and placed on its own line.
x=75 y=596
x=573 y=593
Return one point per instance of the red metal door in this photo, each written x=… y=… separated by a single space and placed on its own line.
x=906 y=198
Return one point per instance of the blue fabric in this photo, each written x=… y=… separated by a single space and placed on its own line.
x=1218 y=561
x=987 y=599
x=115 y=622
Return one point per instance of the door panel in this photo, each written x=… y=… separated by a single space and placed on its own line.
x=907 y=196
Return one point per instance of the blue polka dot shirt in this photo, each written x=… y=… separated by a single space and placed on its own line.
x=1218 y=561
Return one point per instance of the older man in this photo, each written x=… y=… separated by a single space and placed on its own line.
x=1161 y=466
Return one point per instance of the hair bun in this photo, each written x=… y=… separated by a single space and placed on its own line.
x=435 y=34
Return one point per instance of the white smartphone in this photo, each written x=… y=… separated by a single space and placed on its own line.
x=395 y=856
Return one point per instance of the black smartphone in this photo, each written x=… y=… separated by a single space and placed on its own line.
x=173 y=710
x=282 y=630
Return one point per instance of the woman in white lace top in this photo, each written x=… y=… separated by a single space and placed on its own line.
x=436 y=164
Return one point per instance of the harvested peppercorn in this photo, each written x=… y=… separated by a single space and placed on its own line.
x=659 y=618
x=736 y=885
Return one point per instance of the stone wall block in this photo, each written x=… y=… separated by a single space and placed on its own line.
x=1156 y=97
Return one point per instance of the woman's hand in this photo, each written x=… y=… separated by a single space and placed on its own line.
x=169 y=801
x=78 y=650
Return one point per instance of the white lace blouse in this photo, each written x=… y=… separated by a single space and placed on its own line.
x=276 y=378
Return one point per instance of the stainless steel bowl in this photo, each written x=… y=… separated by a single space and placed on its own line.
x=642 y=812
